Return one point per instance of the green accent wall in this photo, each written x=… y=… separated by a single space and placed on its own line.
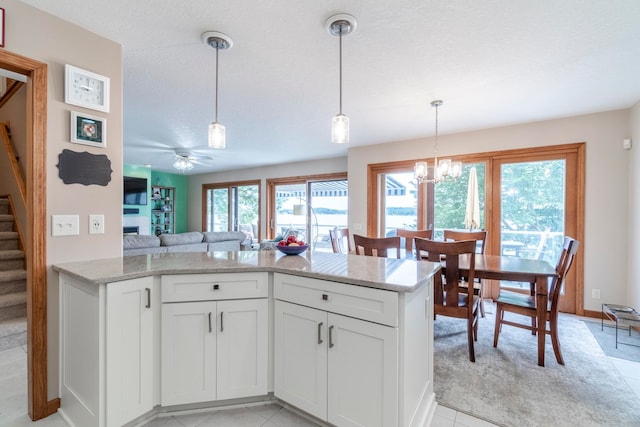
x=164 y=179
x=180 y=184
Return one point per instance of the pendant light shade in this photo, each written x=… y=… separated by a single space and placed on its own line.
x=217 y=137
x=217 y=133
x=340 y=25
x=340 y=129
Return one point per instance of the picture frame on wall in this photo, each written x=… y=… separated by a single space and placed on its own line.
x=1 y=26
x=88 y=130
x=86 y=89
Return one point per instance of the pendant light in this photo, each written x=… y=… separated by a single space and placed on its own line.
x=340 y=25
x=441 y=169
x=218 y=41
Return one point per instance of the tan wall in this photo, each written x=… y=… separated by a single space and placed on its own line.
x=607 y=183
x=634 y=210
x=335 y=165
x=37 y=35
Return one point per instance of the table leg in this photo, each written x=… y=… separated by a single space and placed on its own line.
x=541 y=302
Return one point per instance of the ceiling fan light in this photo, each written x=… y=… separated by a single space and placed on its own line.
x=217 y=137
x=182 y=163
x=340 y=129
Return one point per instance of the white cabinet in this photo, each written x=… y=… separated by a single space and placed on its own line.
x=107 y=351
x=129 y=350
x=339 y=369
x=213 y=350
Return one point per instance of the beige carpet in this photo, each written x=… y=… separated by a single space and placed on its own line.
x=508 y=388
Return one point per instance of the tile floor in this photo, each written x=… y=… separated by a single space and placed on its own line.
x=13 y=403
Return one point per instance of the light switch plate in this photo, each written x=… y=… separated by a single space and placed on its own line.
x=65 y=225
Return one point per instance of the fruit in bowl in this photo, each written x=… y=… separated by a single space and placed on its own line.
x=292 y=246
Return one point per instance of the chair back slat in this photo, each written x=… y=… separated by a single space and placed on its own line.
x=408 y=236
x=376 y=246
x=340 y=241
x=479 y=236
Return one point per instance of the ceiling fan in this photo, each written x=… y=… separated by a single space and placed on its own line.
x=181 y=158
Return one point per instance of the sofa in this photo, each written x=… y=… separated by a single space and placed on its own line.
x=193 y=241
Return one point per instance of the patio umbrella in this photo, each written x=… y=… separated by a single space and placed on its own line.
x=472 y=213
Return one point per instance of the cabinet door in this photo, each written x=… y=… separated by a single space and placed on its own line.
x=242 y=356
x=363 y=373
x=188 y=353
x=129 y=358
x=300 y=376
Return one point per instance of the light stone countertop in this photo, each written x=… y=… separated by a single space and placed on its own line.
x=374 y=272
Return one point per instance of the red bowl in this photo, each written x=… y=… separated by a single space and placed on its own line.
x=292 y=250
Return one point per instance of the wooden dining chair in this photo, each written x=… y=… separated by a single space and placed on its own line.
x=340 y=241
x=448 y=299
x=408 y=236
x=480 y=237
x=376 y=246
x=525 y=305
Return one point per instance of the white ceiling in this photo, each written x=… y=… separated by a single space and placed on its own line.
x=493 y=62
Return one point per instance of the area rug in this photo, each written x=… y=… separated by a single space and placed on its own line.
x=607 y=340
x=507 y=387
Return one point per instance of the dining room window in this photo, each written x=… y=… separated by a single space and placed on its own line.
x=528 y=200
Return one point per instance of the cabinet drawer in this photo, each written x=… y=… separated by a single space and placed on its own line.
x=375 y=305
x=204 y=287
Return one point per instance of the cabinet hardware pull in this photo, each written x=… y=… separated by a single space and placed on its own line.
x=221 y=321
x=210 y=328
x=331 y=336
x=148 y=291
x=319 y=333
x=216 y=287
x=325 y=297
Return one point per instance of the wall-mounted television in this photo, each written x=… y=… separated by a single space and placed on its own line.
x=135 y=191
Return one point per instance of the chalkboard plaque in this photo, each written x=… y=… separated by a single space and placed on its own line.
x=84 y=168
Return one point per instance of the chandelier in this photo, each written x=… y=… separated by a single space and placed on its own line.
x=340 y=25
x=218 y=41
x=183 y=163
x=442 y=169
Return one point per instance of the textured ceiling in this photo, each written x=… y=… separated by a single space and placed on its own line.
x=493 y=63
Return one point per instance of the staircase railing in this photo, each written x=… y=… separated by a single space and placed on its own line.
x=13 y=161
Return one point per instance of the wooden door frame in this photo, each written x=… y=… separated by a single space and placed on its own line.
x=36 y=244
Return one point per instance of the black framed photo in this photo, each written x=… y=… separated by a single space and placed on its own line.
x=88 y=130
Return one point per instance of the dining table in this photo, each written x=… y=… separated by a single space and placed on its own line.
x=514 y=269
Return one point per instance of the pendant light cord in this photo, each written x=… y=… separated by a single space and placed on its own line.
x=217 y=50
x=340 y=68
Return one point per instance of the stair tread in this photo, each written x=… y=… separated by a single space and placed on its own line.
x=6 y=217
x=10 y=275
x=11 y=254
x=15 y=298
x=8 y=235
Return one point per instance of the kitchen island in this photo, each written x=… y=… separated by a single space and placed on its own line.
x=346 y=339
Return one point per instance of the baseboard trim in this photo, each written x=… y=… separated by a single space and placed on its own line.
x=53 y=406
x=593 y=313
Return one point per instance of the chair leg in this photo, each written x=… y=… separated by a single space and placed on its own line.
x=472 y=354
x=553 y=326
x=496 y=331
x=534 y=327
x=481 y=306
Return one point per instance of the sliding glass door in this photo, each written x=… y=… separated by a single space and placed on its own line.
x=232 y=207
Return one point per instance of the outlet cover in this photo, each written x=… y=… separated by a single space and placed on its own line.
x=96 y=224
x=595 y=293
